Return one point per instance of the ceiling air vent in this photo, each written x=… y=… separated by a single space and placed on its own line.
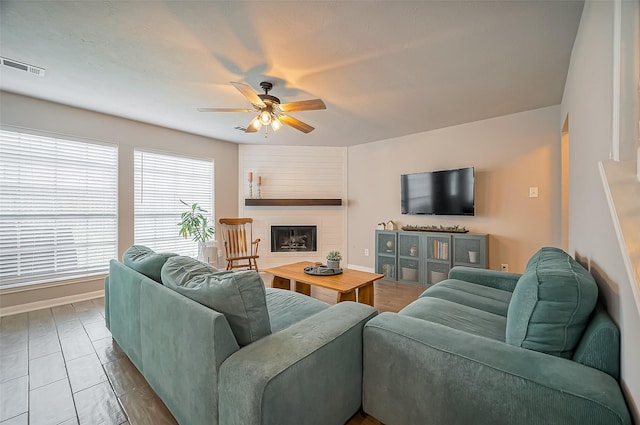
x=33 y=70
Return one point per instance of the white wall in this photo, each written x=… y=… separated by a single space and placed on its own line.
x=296 y=172
x=587 y=101
x=509 y=153
x=26 y=112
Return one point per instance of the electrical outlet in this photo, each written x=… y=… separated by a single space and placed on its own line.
x=366 y=252
x=533 y=192
x=504 y=267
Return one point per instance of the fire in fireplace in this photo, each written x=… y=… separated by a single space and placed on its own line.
x=293 y=238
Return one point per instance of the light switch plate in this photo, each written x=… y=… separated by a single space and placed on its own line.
x=533 y=192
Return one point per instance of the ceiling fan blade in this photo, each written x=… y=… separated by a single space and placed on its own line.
x=249 y=93
x=225 y=110
x=295 y=123
x=303 y=105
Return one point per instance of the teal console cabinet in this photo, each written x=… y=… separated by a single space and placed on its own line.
x=425 y=258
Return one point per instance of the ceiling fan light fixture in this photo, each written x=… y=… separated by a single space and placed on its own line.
x=276 y=124
x=265 y=117
x=255 y=123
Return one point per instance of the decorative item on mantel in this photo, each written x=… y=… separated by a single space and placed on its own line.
x=433 y=228
x=259 y=187
x=250 y=184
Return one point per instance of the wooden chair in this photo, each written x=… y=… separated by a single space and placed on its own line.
x=239 y=247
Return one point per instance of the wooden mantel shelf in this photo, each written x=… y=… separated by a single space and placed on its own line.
x=299 y=202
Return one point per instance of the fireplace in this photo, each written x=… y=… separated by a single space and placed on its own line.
x=293 y=238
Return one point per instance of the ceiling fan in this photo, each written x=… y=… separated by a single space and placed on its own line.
x=270 y=110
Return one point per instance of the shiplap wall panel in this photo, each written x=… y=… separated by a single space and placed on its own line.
x=296 y=172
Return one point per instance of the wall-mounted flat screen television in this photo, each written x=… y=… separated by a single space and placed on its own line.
x=446 y=192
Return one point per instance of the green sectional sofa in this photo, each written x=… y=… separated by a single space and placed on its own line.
x=219 y=348
x=485 y=347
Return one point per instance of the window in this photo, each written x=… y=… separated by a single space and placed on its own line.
x=58 y=202
x=161 y=181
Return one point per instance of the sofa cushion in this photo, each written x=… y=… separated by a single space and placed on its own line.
x=551 y=304
x=457 y=316
x=482 y=297
x=146 y=261
x=599 y=346
x=240 y=296
x=289 y=307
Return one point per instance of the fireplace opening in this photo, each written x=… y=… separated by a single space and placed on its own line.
x=293 y=238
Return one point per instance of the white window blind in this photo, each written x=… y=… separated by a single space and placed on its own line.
x=58 y=208
x=161 y=181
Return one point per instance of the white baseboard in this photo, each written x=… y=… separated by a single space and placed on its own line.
x=360 y=268
x=37 y=305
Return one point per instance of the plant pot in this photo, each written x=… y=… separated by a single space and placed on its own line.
x=333 y=264
x=208 y=253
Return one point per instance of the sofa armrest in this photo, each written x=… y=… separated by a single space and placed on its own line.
x=312 y=369
x=491 y=278
x=422 y=372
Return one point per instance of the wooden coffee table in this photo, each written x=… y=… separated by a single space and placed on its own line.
x=345 y=283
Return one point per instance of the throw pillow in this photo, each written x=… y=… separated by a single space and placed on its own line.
x=240 y=296
x=146 y=261
x=182 y=269
x=551 y=304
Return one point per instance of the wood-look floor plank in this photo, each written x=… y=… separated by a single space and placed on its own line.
x=15 y=397
x=46 y=369
x=76 y=345
x=13 y=364
x=99 y=405
x=17 y=420
x=51 y=404
x=107 y=350
x=85 y=372
x=15 y=322
x=44 y=344
x=64 y=313
x=97 y=330
x=40 y=316
x=144 y=408
x=124 y=376
x=11 y=341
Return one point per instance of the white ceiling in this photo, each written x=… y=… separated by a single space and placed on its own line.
x=383 y=68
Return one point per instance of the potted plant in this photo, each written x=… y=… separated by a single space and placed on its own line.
x=194 y=224
x=333 y=259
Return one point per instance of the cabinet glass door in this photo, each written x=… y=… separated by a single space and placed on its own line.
x=409 y=257
x=386 y=254
x=470 y=251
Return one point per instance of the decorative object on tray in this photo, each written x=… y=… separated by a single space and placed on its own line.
x=434 y=228
x=322 y=270
x=333 y=259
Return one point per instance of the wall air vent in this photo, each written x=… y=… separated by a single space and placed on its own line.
x=33 y=70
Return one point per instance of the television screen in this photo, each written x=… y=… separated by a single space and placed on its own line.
x=447 y=192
